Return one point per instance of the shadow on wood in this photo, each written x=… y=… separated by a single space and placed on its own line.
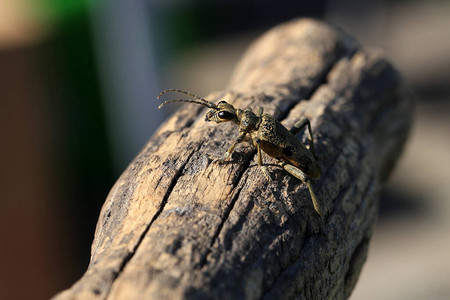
x=177 y=225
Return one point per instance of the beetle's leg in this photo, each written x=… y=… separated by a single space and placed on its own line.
x=296 y=172
x=260 y=164
x=259 y=112
x=230 y=150
x=299 y=125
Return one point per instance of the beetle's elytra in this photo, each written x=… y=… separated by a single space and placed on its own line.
x=268 y=135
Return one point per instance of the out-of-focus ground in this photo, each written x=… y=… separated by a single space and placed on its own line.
x=68 y=134
x=409 y=255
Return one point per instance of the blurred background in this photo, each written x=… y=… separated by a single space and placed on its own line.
x=78 y=80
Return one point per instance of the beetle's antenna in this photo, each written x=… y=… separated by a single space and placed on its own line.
x=182 y=92
x=199 y=100
x=204 y=103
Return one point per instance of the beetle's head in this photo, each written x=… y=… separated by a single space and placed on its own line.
x=223 y=113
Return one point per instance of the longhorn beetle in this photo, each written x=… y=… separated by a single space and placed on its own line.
x=268 y=135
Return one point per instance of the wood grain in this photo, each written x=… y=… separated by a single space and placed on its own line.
x=177 y=225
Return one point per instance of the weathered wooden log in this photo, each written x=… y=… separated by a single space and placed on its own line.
x=177 y=225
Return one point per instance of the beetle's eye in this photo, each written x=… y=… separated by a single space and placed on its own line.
x=221 y=102
x=225 y=115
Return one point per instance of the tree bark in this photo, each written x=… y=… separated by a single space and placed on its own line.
x=177 y=225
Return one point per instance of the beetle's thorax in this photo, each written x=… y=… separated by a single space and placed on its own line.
x=248 y=121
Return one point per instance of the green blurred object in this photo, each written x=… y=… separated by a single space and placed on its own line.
x=56 y=10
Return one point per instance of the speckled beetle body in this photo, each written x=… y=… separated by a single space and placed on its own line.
x=268 y=135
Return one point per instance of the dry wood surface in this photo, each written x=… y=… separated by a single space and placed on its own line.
x=177 y=225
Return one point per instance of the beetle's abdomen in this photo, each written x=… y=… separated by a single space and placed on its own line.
x=279 y=143
x=307 y=165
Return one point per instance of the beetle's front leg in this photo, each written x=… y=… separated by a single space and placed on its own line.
x=230 y=150
x=296 y=172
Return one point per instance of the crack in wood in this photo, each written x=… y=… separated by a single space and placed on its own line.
x=130 y=255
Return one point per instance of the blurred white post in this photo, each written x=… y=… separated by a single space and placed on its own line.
x=125 y=53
